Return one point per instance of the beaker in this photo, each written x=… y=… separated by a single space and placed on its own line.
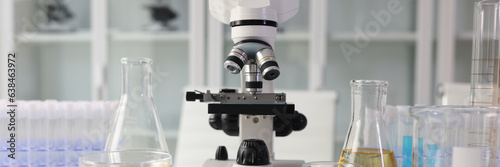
x=457 y=136
x=367 y=142
x=485 y=76
x=136 y=124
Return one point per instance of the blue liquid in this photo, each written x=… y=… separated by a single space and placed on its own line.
x=407 y=151
x=58 y=158
x=420 y=152
x=22 y=158
x=4 y=160
x=431 y=154
x=40 y=158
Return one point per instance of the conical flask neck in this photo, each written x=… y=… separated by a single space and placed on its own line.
x=136 y=80
x=367 y=129
x=368 y=100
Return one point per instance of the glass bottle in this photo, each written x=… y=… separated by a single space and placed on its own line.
x=136 y=124
x=367 y=142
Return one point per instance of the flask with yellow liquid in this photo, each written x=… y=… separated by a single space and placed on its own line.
x=367 y=141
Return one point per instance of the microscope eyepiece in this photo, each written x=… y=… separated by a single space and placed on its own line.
x=235 y=61
x=267 y=64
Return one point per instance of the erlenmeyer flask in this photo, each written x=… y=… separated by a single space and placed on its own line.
x=136 y=125
x=367 y=142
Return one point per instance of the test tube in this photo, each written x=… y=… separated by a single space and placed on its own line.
x=96 y=133
x=86 y=137
x=4 y=120
x=74 y=122
x=57 y=141
x=22 y=134
x=39 y=129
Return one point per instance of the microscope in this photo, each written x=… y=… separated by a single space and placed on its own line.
x=256 y=114
x=58 y=16
x=162 y=15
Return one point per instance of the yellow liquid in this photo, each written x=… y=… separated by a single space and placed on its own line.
x=369 y=157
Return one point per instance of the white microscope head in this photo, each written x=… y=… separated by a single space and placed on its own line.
x=233 y=11
x=222 y=9
x=254 y=27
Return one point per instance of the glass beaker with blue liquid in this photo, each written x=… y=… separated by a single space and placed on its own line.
x=458 y=136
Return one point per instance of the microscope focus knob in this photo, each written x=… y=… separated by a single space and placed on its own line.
x=299 y=122
x=253 y=152
x=284 y=125
x=230 y=124
x=215 y=121
x=221 y=153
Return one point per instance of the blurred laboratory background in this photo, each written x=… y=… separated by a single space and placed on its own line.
x=73 y=53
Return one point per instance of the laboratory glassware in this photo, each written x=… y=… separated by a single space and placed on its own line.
x=126 y=158
x=329 y=164
x=4 y=120
x=367 y=142
x=39 y=142
x=136 y=124
x=58 y=134
x=136 y=137
x=399 y=124
x=455 y=135
x=485 y=76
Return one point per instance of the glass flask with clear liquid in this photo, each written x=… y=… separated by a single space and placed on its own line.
x=136 y=137
x=367 y=141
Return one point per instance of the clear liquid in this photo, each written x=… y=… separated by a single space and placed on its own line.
x=369 y=157
x=154 y=164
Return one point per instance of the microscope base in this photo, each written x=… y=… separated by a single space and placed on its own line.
x=274 y=163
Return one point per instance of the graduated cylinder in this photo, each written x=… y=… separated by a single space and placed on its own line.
x=485 y=74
